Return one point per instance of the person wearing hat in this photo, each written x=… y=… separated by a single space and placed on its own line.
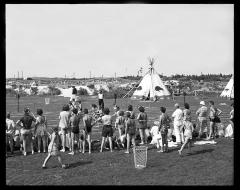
x=202 y=118
x=177 y=123
x=26 y=133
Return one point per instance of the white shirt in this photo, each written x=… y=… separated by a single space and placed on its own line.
x=154 y=130
x=10 y=126
x=100 y=96
x=178 y=116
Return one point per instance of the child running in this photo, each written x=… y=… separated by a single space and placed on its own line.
x=74 y=129
x=53 y=148
x=164 y=122
x=88 y=124
x=107 y=130
x=188 y=130
x=130 y=131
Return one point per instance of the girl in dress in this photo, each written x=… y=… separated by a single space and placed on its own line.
x=41 y=130
x=142 y=119
x=188 y=130
x=53 y=148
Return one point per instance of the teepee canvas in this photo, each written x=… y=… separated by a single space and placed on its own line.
x=228 y=90
x=151 y=85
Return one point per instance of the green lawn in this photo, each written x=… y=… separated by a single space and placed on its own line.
x=207 y=165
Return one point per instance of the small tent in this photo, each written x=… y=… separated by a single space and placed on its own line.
x=151 y=85
x=228 y=90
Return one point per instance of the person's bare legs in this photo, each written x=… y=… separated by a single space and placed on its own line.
x=110 y=143
x=200 y=123
x=232 y=127
x=128 y=143
x=46 y=160
x=189 y=146
x=141 y=132
x=89 y=142
x=60 y=161
x=11 y=144
x=63 y=140
x=211 y=130
x=184 y=144
x=44 y=139
x=39 y=143
x=24 y=145
x=103 y=142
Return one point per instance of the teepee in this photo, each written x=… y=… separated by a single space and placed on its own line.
x=151 y=85
x=229 y=89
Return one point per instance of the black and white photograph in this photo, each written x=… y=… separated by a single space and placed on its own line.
x=119 y=94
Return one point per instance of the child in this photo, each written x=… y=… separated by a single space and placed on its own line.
x=142 y=119
x=10 y=130
x=120 y=125
x=88 y=124
x=74 y=129
x=130 y=131
x=53 y=148
x=188 y=131
x=164 y=122
x=107 y=130
x=156 y=135
x=41 y=130
x=64 y=119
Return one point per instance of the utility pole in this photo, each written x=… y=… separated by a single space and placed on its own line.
x=18 y=75
x=89 y=74
x=22 y=74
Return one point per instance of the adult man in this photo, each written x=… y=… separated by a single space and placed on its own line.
x=202 y=118
x=177 y=123
x=74 y=93
x=100 y=100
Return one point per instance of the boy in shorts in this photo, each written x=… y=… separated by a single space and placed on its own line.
x=107 y=130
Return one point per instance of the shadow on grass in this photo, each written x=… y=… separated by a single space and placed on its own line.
x=200 y=152
x=76 y=164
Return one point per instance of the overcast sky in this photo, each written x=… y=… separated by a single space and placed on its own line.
x=54 y=40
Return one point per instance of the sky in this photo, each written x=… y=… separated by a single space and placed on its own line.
x=79 y=40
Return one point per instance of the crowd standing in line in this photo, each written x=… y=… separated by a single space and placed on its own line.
x=78 y=124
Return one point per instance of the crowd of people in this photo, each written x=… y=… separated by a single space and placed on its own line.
x=130 y=126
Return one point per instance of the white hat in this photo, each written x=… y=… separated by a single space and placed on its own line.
x=156 y=122
x=176 y=105
x=202 y=103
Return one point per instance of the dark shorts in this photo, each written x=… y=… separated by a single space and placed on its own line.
x=88 y=129
x=75 y=130
x=215 y=120
x=107 y=131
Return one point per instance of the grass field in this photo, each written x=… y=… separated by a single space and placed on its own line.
x=206 y=165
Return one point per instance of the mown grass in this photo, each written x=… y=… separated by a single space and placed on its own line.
x=207 y=165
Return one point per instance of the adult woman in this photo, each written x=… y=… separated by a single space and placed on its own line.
x=142 y=120
x=26 y=133
x=202 y=118
x=41 y=130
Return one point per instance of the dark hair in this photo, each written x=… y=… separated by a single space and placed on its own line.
x=130 y=108
x=85 y=111
x=163 y=109
x=75 y=110
x=73 y=99
x=121 y=113
x=106 y=111
x=39 y=111
x=186 y=106
x=55 y=129
x=211 y=102
x=65 y=108
x=194 y=125
x=141 y=109
x=94 y=105
x=8 y=115
x=128 y=114
x=26 y=110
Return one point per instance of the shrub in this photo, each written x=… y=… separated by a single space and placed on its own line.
x=82 y=91
x=54 y=90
